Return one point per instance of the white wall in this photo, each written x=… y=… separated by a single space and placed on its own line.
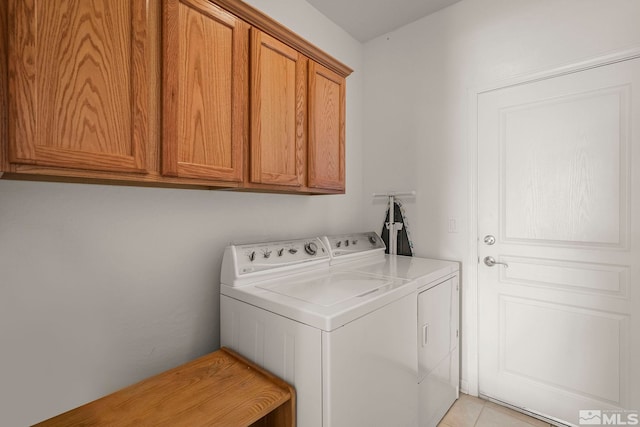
x=101 y=286
x=417 y=86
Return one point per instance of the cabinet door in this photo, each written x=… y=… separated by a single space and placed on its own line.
x=278 y=109
x=78 y=83
x=205 y=93
x=326 y=128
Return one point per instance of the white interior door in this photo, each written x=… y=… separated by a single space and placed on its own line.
x=559 y=189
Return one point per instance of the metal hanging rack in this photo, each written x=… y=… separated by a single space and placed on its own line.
x=393 y=226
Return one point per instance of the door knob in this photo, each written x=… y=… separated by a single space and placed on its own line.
x=490 y=261
x=489 y=239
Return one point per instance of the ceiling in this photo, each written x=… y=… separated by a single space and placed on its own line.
x=367 y=19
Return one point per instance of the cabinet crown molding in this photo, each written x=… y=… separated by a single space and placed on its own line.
x=268 y=25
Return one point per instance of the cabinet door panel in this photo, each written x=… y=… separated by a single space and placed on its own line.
x=205 y=91
x=278 y=107
x=78 y=84
x=326 y=128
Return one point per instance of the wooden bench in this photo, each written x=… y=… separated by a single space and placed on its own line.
x=219 y=389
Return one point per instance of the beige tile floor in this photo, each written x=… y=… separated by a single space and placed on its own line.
x=469 y=411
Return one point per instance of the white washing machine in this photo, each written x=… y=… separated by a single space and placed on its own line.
x=346 y=340
x=437 y=304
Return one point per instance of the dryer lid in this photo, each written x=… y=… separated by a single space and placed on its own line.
x=329 y=289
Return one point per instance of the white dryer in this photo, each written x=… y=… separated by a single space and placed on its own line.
x=437 y=305
x=346 y=340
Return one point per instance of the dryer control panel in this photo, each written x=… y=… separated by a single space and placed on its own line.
x=354 y=245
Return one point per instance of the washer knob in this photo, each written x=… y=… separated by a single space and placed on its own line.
x=252 y=256
x=280 y=251
x=293 y=251
x=338 y=244
x=311 y=248
x=372 y=239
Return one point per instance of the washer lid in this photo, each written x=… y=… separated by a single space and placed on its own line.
x=329 y=289
x=325 y=298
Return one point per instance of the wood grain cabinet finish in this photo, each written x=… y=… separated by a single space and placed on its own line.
x=278 y=112
x=205 y=91
x=78 y=83
x=326 y=161
x=181 y=93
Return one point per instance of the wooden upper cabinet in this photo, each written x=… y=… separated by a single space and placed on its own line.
x=78 y=84
x=326 y=128
x=244 y=101
x=205 y=91
x=278 y=112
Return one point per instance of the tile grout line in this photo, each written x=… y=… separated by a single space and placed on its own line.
x=481 y=411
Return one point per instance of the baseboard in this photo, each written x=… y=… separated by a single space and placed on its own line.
x=464 y=387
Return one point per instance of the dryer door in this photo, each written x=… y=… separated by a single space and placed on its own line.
x=438 y=373
x=435 y=324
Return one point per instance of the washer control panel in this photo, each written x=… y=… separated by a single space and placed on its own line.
x=251 y=258
x=355 y=243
